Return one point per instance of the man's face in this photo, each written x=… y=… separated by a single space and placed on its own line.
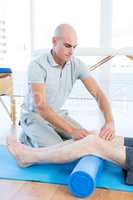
x=64 y=47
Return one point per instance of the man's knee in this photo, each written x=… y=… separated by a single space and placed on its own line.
x=36 y=135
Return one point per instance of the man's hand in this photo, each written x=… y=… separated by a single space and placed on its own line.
x=78 y=134
x=107 y=132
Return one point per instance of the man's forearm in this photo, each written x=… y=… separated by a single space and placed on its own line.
x=51 y=116
x=105 y=108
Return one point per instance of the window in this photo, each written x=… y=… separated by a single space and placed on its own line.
x=3 y=35
x=122 y=23
x=122 y=36
x=15 y=28
x=83 y=15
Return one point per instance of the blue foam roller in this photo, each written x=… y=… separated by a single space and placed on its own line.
x=82 y=180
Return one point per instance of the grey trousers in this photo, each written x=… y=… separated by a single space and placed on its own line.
x=37 y=132
x=128 y=172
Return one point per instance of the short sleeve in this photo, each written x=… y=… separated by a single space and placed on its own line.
x=82 y=70
x=36 y=73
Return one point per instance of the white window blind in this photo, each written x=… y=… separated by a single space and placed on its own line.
x=3 y=42
x=15 y=34
x=3 y=34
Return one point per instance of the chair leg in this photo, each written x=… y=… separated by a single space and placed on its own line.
x=13 y=110
x=6 y=88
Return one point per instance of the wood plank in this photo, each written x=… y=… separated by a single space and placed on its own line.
x=36 y=191
x=26 y=190
x=103 y=194
x=9 y=188
x=100 y=194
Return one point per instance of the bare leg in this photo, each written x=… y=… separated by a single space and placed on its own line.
x=68 y=151
x=117 y=141
x=25 y=155
x=111 y=150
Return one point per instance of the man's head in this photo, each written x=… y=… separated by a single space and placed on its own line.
x=64 y=42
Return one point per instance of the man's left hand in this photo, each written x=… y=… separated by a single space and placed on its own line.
x=107 y=132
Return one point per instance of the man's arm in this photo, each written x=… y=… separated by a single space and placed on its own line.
x=107 y=132
x=130 y=57
x=46 y=112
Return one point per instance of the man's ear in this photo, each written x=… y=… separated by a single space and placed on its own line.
x=54 y=41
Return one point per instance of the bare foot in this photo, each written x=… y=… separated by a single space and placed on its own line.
x=24 y=155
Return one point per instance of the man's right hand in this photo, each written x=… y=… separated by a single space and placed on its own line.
x=78 y=134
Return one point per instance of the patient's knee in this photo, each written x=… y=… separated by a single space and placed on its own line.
x=91 y=139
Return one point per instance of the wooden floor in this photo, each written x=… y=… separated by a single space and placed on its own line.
x=21 y=190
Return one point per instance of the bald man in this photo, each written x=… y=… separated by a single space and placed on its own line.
x=51 y=78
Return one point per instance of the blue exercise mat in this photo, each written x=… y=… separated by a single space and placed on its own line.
x=111 y=178
x=5 y=70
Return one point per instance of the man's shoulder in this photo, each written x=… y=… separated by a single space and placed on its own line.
x=39 y=59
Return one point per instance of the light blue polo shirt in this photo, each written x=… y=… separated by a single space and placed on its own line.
x=58 y=82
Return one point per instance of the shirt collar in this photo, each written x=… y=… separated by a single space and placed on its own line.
x=52 y=62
